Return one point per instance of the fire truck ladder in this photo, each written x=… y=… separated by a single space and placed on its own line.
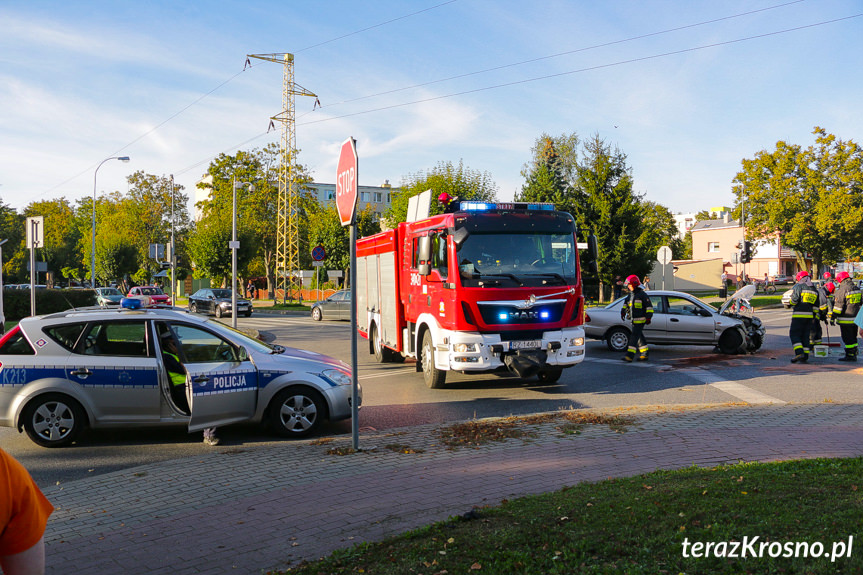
x=288 y=209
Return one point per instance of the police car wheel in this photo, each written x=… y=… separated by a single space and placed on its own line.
x=53 y=420
x=297 y=412
x=617 y=339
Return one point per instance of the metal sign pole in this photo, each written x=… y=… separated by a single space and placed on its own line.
x=355 y=385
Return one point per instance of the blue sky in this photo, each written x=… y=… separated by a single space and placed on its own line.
x=420 y=82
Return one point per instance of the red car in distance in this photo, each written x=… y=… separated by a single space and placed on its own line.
x=156 y=295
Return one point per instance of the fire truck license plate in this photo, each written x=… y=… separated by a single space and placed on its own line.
x=530 y=344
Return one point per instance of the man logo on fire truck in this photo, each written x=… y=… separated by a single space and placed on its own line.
x=485 y=286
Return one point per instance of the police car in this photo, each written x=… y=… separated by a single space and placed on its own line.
x=63 y=372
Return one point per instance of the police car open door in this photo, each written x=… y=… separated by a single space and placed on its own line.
x=221 y=381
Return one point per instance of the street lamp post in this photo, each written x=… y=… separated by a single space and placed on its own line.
x=234 y=245
x=93 y=246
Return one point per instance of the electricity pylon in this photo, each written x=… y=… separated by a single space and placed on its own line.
x=287 y=232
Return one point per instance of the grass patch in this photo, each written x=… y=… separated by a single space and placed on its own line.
x=288 y=307
x=638 y=526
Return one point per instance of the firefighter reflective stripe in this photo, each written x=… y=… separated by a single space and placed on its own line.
x=809 y=297
x=804 y=315
x=639 y=320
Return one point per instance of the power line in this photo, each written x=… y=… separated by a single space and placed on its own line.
x=568 y=52
x=378 y=26
x=587 y=69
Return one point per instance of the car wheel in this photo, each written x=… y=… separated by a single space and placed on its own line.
x=248 y=314
x=297 y=412
x=434 y=377
x=730 y=341
x=218 y=311
x=549 y=374
x=316 y=314
x=193 y=308
x=53 y=420
x=617 y=338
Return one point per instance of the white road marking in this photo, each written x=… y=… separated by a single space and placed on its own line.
x=733 y=388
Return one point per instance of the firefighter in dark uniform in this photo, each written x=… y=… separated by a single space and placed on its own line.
x=820 y=314
x=804 y=302
x=846 y=304
x=638 y=308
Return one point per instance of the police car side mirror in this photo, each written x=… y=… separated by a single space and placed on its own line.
x=242 y=354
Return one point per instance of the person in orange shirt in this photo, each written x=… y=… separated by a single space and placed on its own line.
x=24 y=512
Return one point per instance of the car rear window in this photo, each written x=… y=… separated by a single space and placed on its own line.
x=14 y=343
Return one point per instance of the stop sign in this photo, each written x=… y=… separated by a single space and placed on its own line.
x=346 y=182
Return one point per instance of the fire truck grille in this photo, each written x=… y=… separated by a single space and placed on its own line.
x=511 y=315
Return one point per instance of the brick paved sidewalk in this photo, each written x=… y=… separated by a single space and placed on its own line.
x=248 y=509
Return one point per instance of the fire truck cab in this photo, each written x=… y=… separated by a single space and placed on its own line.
x=487 y=287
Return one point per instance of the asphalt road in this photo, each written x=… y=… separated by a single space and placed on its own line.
x=395 y=395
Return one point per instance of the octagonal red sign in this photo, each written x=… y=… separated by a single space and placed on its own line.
x=346 y=182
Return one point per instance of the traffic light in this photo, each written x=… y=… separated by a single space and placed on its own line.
x=746 y=253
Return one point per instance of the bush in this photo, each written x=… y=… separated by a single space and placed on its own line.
x=16 y=303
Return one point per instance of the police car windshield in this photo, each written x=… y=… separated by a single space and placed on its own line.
x=524 y=255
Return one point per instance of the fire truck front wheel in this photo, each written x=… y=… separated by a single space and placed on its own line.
x=434 y=377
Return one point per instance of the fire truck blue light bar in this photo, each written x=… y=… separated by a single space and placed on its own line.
x=474 y=206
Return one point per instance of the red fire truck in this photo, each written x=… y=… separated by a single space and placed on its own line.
x=489 y=286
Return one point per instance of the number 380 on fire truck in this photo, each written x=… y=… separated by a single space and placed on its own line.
x=489 y=286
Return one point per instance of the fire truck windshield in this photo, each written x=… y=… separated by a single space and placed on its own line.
x=532 y=258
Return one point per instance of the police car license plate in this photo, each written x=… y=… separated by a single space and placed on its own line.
x=529 y=344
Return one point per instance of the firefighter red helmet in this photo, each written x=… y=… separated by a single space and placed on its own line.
x=633 y=279
x=444 y=198
x=800 y=275
x=842 y=276
x=829 y=287
x=826 y=275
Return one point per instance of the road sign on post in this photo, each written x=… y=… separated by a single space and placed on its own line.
x=347 y=179
x=346 y=182
x=664 y=257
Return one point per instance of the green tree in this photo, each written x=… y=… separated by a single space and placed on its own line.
x=257 y=209
x=606 y=205
x=811 y=197
x=457 y=181
x=12 y=230
x=116 y=257
x=61 y=236
x=545 y=181
x=326 y=230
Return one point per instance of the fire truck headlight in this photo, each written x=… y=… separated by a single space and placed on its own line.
x=464 y=347
x=578 y=341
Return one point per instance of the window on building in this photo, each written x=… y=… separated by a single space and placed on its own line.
x=712 y=246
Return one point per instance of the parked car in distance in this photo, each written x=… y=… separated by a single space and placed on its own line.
x=337 y=306
x=99 y=368
x=107 y=297
x=781 y=279
x=681 y=319
x=156 y=295
x=217 y=302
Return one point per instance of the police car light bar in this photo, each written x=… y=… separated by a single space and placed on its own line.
x=475 y=206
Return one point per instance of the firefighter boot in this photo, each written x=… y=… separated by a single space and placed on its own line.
x=799 y=358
